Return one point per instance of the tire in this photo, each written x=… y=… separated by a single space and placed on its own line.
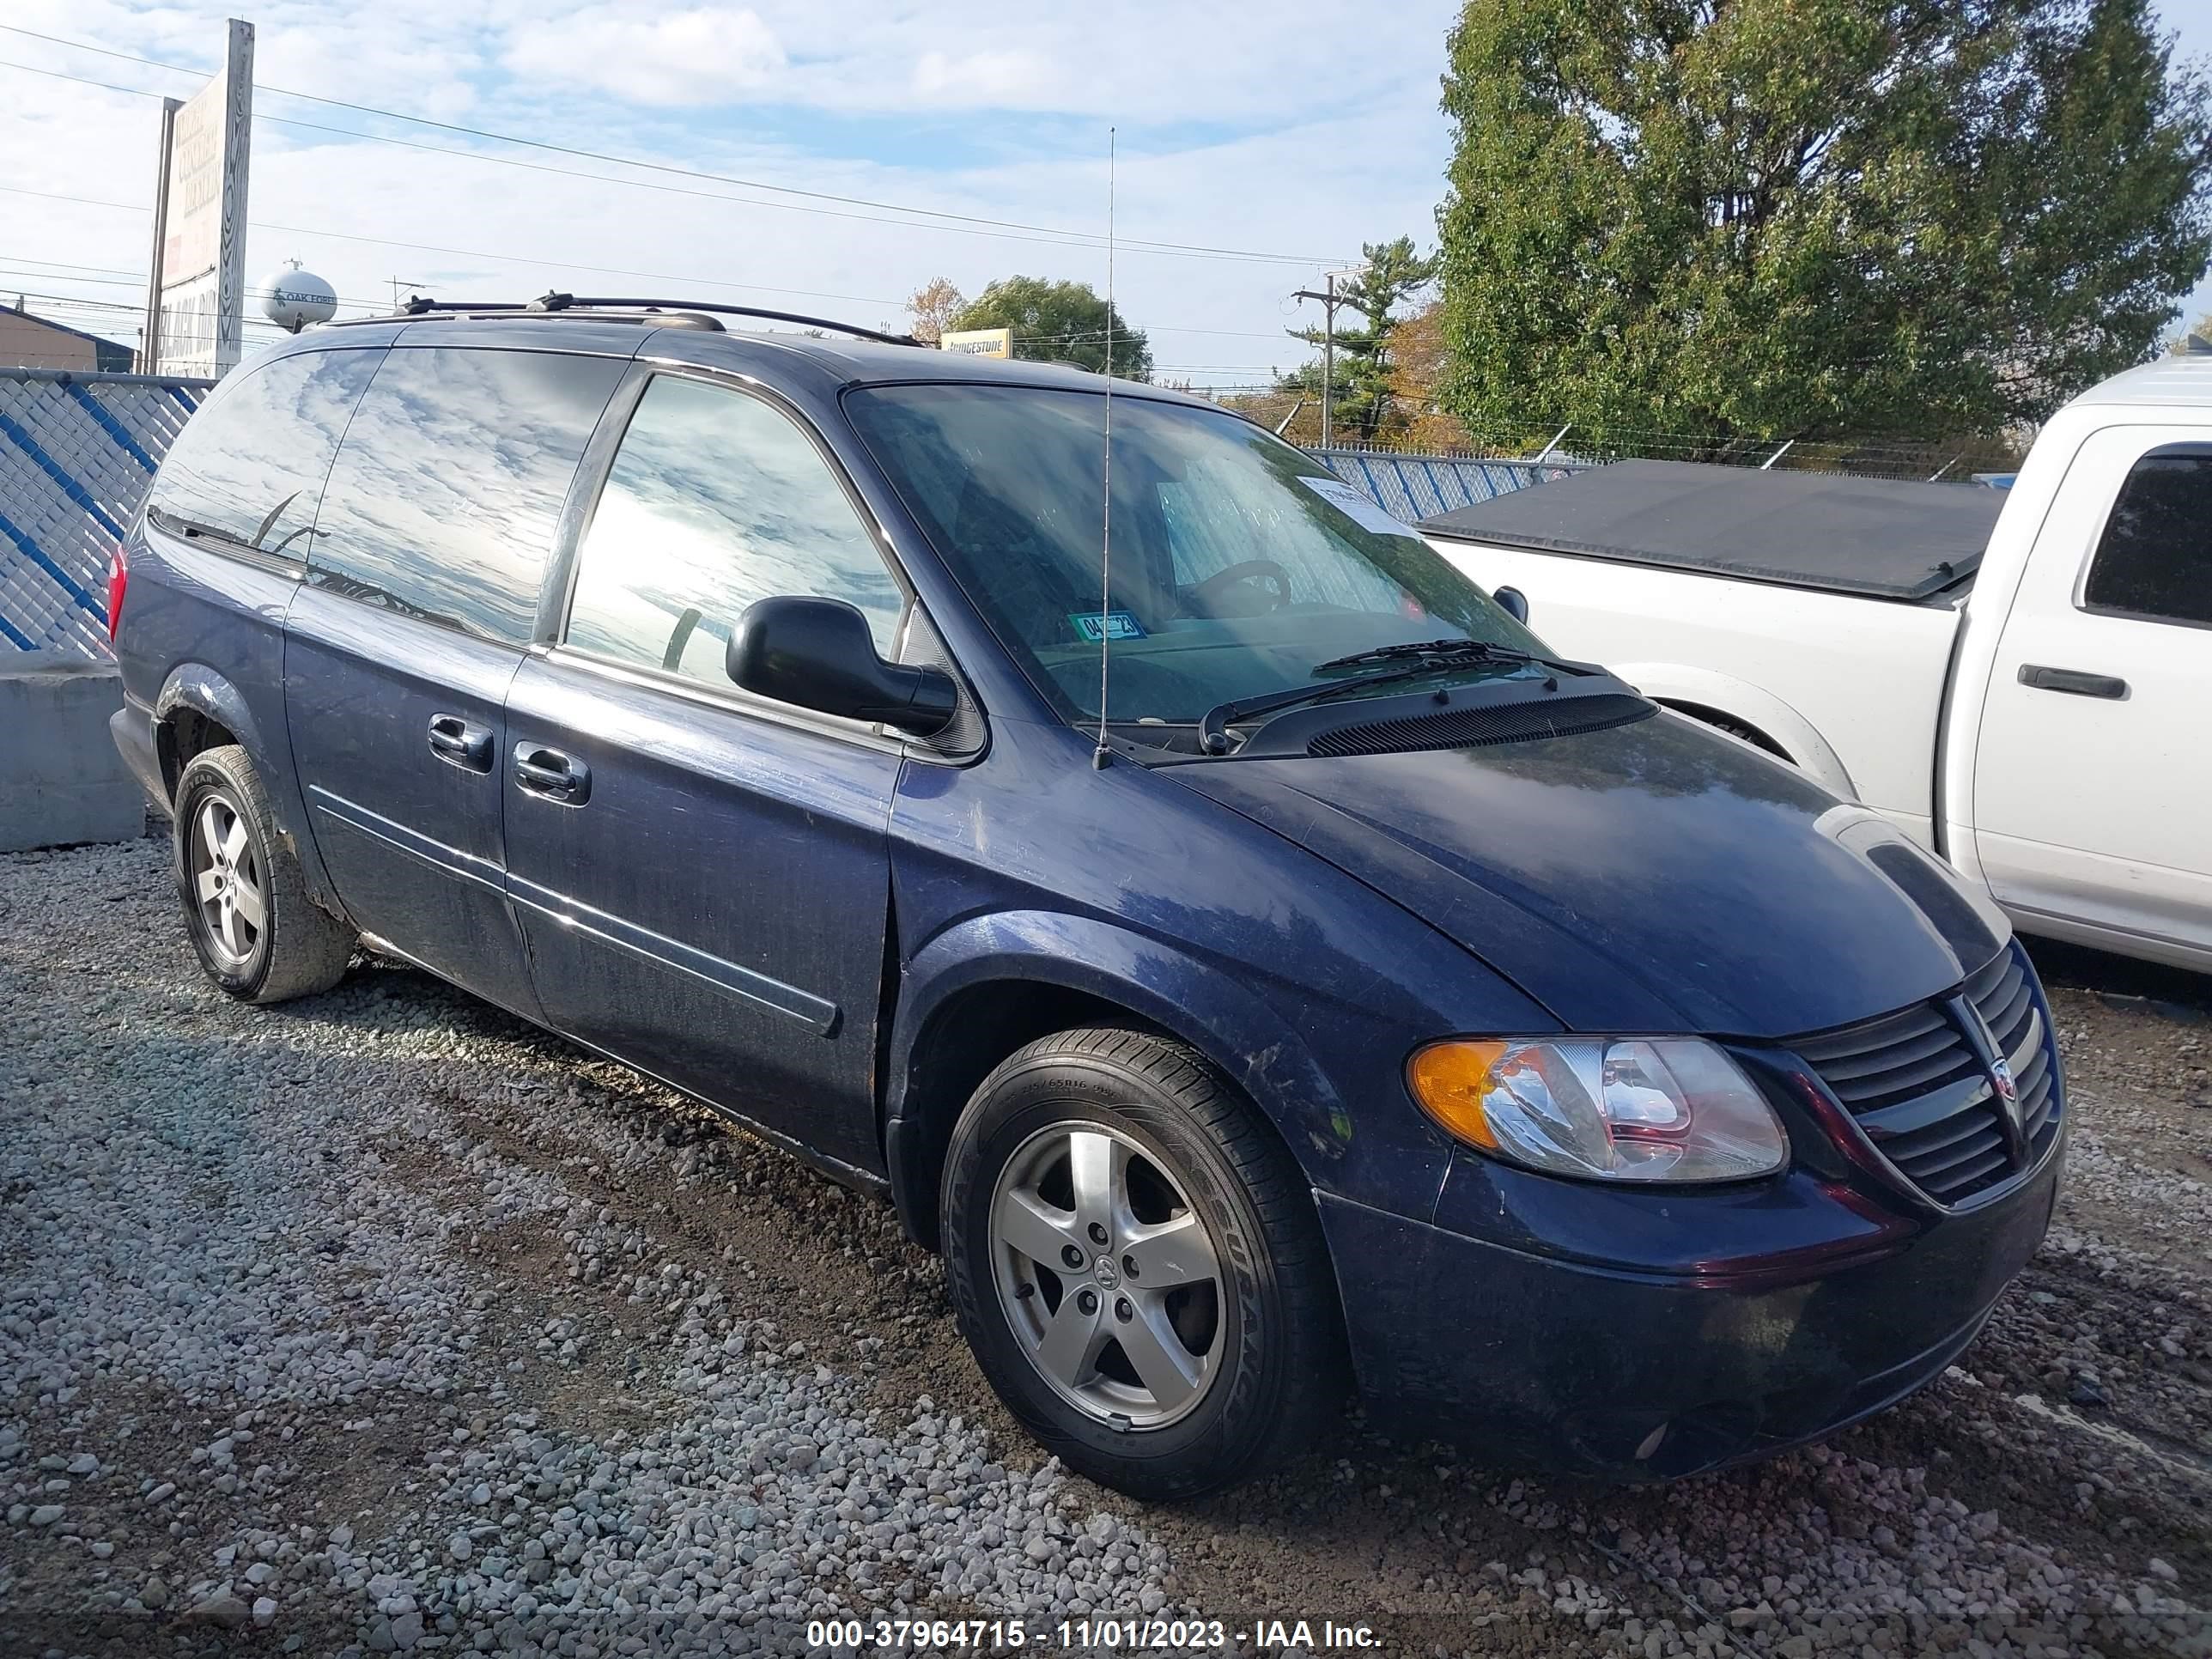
x=229 y=863
x=1735 y=728
x=1234 y=1352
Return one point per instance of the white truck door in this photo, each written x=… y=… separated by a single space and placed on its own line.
x=2092 y=780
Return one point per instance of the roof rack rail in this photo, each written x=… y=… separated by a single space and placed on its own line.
x=417 y=306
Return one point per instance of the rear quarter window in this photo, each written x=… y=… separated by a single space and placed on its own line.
x=443 y=502
x=2154 y=560
x=249 y=467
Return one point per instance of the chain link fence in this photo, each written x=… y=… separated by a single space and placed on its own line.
x=76 y=454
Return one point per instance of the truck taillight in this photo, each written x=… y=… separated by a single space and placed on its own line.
x=119 y=583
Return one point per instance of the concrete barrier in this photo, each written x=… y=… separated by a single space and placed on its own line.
x=61 y=780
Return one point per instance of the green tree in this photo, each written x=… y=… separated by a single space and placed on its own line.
x=1058 y=323
x=1361 y=402
x=1784 y=218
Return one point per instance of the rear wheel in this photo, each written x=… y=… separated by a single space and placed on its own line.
x=256 y=931
x=1134 y=1259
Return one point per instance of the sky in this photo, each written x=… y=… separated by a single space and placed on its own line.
x=1266 y=142
x=1290 y=130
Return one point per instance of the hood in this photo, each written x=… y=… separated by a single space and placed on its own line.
x=1652 y=877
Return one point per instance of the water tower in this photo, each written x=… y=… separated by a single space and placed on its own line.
x=297 y=298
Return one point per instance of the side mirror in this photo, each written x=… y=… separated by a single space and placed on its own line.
x=820 y=654
x=1513 y=602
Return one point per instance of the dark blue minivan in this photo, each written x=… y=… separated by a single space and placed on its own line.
x=1219 y=927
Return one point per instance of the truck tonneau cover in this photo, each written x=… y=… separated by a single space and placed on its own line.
x=1874 y=536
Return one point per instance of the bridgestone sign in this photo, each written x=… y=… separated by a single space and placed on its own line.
x=978 y=342
x=200 y=226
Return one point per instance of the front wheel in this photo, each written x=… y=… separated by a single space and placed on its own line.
x=1134 y=1259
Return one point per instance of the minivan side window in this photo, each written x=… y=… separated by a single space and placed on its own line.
x=2155 y=558
x=250 y=466
x=716 y=499
x=446 y=490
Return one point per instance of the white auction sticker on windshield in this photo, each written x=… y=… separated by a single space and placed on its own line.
x=1357 y=507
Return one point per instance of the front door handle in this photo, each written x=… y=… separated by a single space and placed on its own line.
x=461 y=743
x=551 y=775
x=2072 y=680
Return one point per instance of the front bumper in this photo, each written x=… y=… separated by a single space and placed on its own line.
x=1581 y=1365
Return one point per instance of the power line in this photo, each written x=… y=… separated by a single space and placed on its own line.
x=119 y=279
x=1005 y=229
x=540 y=167
x=606 y=271
x=477 y=253
x=113 y=313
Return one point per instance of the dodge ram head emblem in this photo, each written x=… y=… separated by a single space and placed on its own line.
x=2004 y=1087
x=2001 y=1077
x=2007 y=1094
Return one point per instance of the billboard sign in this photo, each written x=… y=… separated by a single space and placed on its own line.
x=978 y=342
x=200 y=228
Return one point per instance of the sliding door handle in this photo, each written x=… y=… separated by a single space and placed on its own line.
x=551 y=775
x=461 y=743
x=2072 y=681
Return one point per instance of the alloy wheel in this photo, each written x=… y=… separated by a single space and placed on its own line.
x=1109 y=1276
x=227 y=891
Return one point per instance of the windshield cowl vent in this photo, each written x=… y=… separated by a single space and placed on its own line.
x=1478 y=728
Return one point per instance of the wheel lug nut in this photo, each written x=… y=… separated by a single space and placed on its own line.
x=1087 y=1301
x=1122 y=1309
x=1072 y=1256
x=1098 y=1234
x=1128 y=1266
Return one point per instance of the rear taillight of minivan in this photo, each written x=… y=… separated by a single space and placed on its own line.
x=119 y=583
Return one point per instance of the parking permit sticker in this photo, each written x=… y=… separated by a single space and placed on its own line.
x=1357 y=507
x=1096 y=625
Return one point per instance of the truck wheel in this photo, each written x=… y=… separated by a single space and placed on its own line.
x=1734 y=727
x=1135 y=1261
x=258 y=934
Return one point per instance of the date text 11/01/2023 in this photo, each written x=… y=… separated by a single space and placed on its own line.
x=1086 y=1635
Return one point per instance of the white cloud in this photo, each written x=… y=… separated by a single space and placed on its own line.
x=1007 y=79
x=702 y=55
x=1311 y=138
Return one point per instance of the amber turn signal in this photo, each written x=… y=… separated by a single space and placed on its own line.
x=1450 y=1079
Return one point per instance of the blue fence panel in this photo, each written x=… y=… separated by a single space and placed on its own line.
x=76 y=452
x=1418 y=487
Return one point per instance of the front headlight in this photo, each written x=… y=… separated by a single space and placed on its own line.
x=1618 y=1108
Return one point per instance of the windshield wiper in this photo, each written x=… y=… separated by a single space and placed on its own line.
x=1427 y=657
x=1212 y=733
x=1469 y=650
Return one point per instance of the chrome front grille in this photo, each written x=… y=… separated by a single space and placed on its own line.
x=1920 y=1085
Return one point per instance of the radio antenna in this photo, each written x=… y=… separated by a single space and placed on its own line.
x=1102 y=754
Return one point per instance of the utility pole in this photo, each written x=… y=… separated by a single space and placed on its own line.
x=149 y=347
x=1330 y=300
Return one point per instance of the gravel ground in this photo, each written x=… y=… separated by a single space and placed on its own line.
x=380 y=1322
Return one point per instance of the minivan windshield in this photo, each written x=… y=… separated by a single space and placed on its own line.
x=1241 y=565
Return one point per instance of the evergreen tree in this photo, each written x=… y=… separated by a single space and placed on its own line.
x=1362 y=402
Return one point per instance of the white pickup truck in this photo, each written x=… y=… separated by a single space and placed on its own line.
x=2022 y=679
